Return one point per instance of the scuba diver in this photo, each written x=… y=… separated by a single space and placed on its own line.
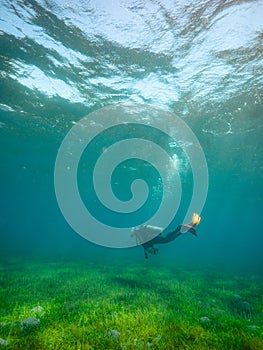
x=143 y=234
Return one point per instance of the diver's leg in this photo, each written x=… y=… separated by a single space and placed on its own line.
x=171 y=236
x=174 y=234
x=166 y=239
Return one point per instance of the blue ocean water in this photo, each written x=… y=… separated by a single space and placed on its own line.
x=199 y=60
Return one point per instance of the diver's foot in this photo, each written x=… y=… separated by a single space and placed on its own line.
x=188 y=228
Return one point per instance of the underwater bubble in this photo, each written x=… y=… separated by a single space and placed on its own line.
x=217 y=127
x=173 y=144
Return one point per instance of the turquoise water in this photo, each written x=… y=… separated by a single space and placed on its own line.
x=200 y=60
x=197 y=61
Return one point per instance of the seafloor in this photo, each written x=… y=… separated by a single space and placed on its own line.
x=80 y=304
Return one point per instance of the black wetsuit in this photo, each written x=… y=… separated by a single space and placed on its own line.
x=171 y=236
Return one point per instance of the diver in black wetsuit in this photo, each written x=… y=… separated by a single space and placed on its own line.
x=142 y=234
